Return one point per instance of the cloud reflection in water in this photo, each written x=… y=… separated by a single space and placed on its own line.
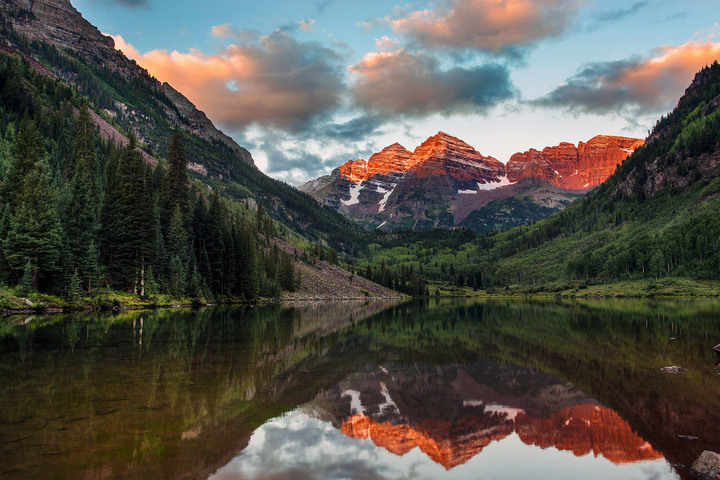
x=297 y=446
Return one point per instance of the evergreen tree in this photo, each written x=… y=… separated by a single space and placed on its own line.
x=26 y=282
x=110 y=221
x=74 y=288
x=177 y=276
x=35 y=233
x=91 y=265
x=177 y=245
x=79 y=211
x=5 y=216
x=247 y=265
x=214 y=243
x=177 y=178
x=29 y=150
x=135 y=241
x=286 y=273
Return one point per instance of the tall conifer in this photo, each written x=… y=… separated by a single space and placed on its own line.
x=34 y=227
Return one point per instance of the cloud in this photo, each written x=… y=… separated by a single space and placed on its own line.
x=405 y=83
x=126 y=3
x=496 y=26
x=353 y=130
x=635 y=86
x=298 y=161
x=307 y=25
x=620 y=13
x=274 y=80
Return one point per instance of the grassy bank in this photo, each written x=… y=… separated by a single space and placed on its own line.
x=12 y=300
x=643 y=288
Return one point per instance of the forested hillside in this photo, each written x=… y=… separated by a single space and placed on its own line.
x=127 y=97
x=79 y=213
x=657 y=216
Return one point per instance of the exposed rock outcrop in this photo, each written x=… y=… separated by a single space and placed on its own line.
x=570 y=167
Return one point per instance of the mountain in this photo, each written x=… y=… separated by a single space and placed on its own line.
x=58 y=23
x=54 y=38
x=655 y=222
x=573 y=167
x=445 y=182
x=656 y=216
x=110 y=180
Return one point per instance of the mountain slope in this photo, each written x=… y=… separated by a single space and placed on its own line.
x=57 y=41
x=445 y=182
x=657 y=216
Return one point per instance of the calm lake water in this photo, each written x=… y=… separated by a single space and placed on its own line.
x=427 y=389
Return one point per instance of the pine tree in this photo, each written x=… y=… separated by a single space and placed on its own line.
x=177 y=178
x=135 y=219
x=91 y=265
x=5 y=216
x=35 y=233
x=110 y=221
x=79 y=210
x=214 y=243
x=74 y=288
x=286 y=273
x=28 y=151
x=177 y=276
x=177 y=246
x=26 y=282
x=247 y=264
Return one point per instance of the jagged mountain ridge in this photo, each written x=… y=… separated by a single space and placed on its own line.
x=445 y=180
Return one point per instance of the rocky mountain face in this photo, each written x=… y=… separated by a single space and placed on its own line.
x=58 y=23
x=445 y=182
x=452 y=413
x=573 y=167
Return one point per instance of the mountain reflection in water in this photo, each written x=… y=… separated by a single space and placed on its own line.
x=457 y=389
x=452 y=413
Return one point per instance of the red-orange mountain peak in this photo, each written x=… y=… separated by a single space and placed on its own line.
x=570 y=167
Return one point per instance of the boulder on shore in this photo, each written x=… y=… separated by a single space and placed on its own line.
x=706 y=467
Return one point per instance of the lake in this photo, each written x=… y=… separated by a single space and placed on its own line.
x=436 y=388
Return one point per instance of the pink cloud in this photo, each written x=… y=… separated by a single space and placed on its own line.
x=275 y=81
x=647 y=85
x=490 y=25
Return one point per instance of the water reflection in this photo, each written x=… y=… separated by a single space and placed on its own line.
x=300 y=446
x=332 y=390
x=450 y=414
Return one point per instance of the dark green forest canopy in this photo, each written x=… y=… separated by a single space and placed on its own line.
x=80 y=214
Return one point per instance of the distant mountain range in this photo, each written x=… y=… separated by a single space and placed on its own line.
x=445 y=182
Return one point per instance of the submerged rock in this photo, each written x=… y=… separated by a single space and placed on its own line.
x=674 y=369
x=706 y=467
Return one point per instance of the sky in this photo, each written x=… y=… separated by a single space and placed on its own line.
x=307 y=85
